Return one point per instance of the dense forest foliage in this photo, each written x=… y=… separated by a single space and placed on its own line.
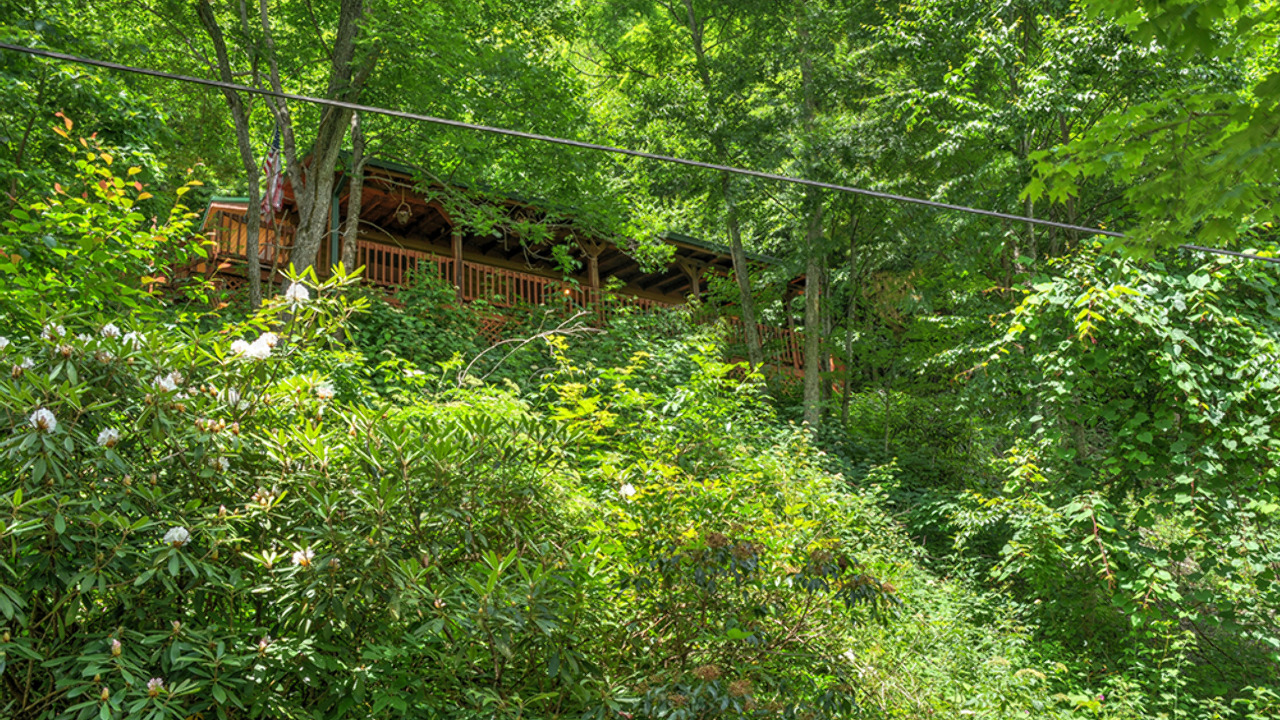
x=1030 y=471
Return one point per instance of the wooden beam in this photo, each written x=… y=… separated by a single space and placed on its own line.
x=592 y=249
x=693 y=269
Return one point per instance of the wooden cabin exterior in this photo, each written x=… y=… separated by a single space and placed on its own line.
x=403 y=230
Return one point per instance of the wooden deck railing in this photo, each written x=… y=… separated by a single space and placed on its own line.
x=229 y=227
x=782 y=346
x=390 y=266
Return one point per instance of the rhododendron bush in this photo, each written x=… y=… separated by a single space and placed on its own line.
x=207 y=518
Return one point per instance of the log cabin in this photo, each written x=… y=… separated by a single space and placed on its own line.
x=406 y=229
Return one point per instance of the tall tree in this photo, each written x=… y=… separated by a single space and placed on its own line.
x=240 y=118
x=695 y=68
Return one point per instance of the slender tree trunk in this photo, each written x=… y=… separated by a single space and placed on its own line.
x=351 y=234
x=240 y=118
x=741 y=271
x=813 y=236
x=848 y=323
x=750 y=331
x=813 y=316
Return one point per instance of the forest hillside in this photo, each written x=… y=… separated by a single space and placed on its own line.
x=687 y=443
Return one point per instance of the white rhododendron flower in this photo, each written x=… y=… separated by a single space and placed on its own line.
x=297 y=294
x=44 y=421
x=133 y=338
x=627 y=490
x=53 y=332
x=108 y=437
x=164 y=383
x=303 y=557
x=259 y=349
x=4 y=342
x=220 y=464
x=110 y=331
x=177 y=536
x=324 y=392
x=154 y=686
x=28 y=363
x=84 y=337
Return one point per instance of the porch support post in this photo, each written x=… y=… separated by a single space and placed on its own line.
x=694 y=269
x=457 y=262
x=592 y=250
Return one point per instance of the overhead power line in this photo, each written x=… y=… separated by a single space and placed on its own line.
x=594 y=146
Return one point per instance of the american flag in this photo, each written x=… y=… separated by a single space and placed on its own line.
x=273 y=198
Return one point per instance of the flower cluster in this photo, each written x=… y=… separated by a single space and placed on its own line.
x=259 y=349
x=167 y=383
x=44 y=421
x=177 y=536
x=302 y=558
x=108 y=437
x=297 y=294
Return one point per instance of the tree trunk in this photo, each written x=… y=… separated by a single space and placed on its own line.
x=351 y=235
x=750 y=331
x=813 y=234
x=240 y=117
x=313 y=185
x=813 y=316
x=848 y=324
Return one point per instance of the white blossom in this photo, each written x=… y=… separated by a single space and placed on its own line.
x=325 y=391
x=133 y=338
x=165 y=383
x=108 y=437
x=27 y=363
x=53 y=332
x=297 y=294
x=110 y=331
x=627 y=490
x=220 y=464
x=44 y=421
x=4 y=342
x=177 y=536
x=303 y=557
x=84 y=337
x=269 y=339
x=154 y=686
x=259 y=349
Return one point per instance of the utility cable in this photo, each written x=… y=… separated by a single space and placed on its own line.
x=594 y=146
